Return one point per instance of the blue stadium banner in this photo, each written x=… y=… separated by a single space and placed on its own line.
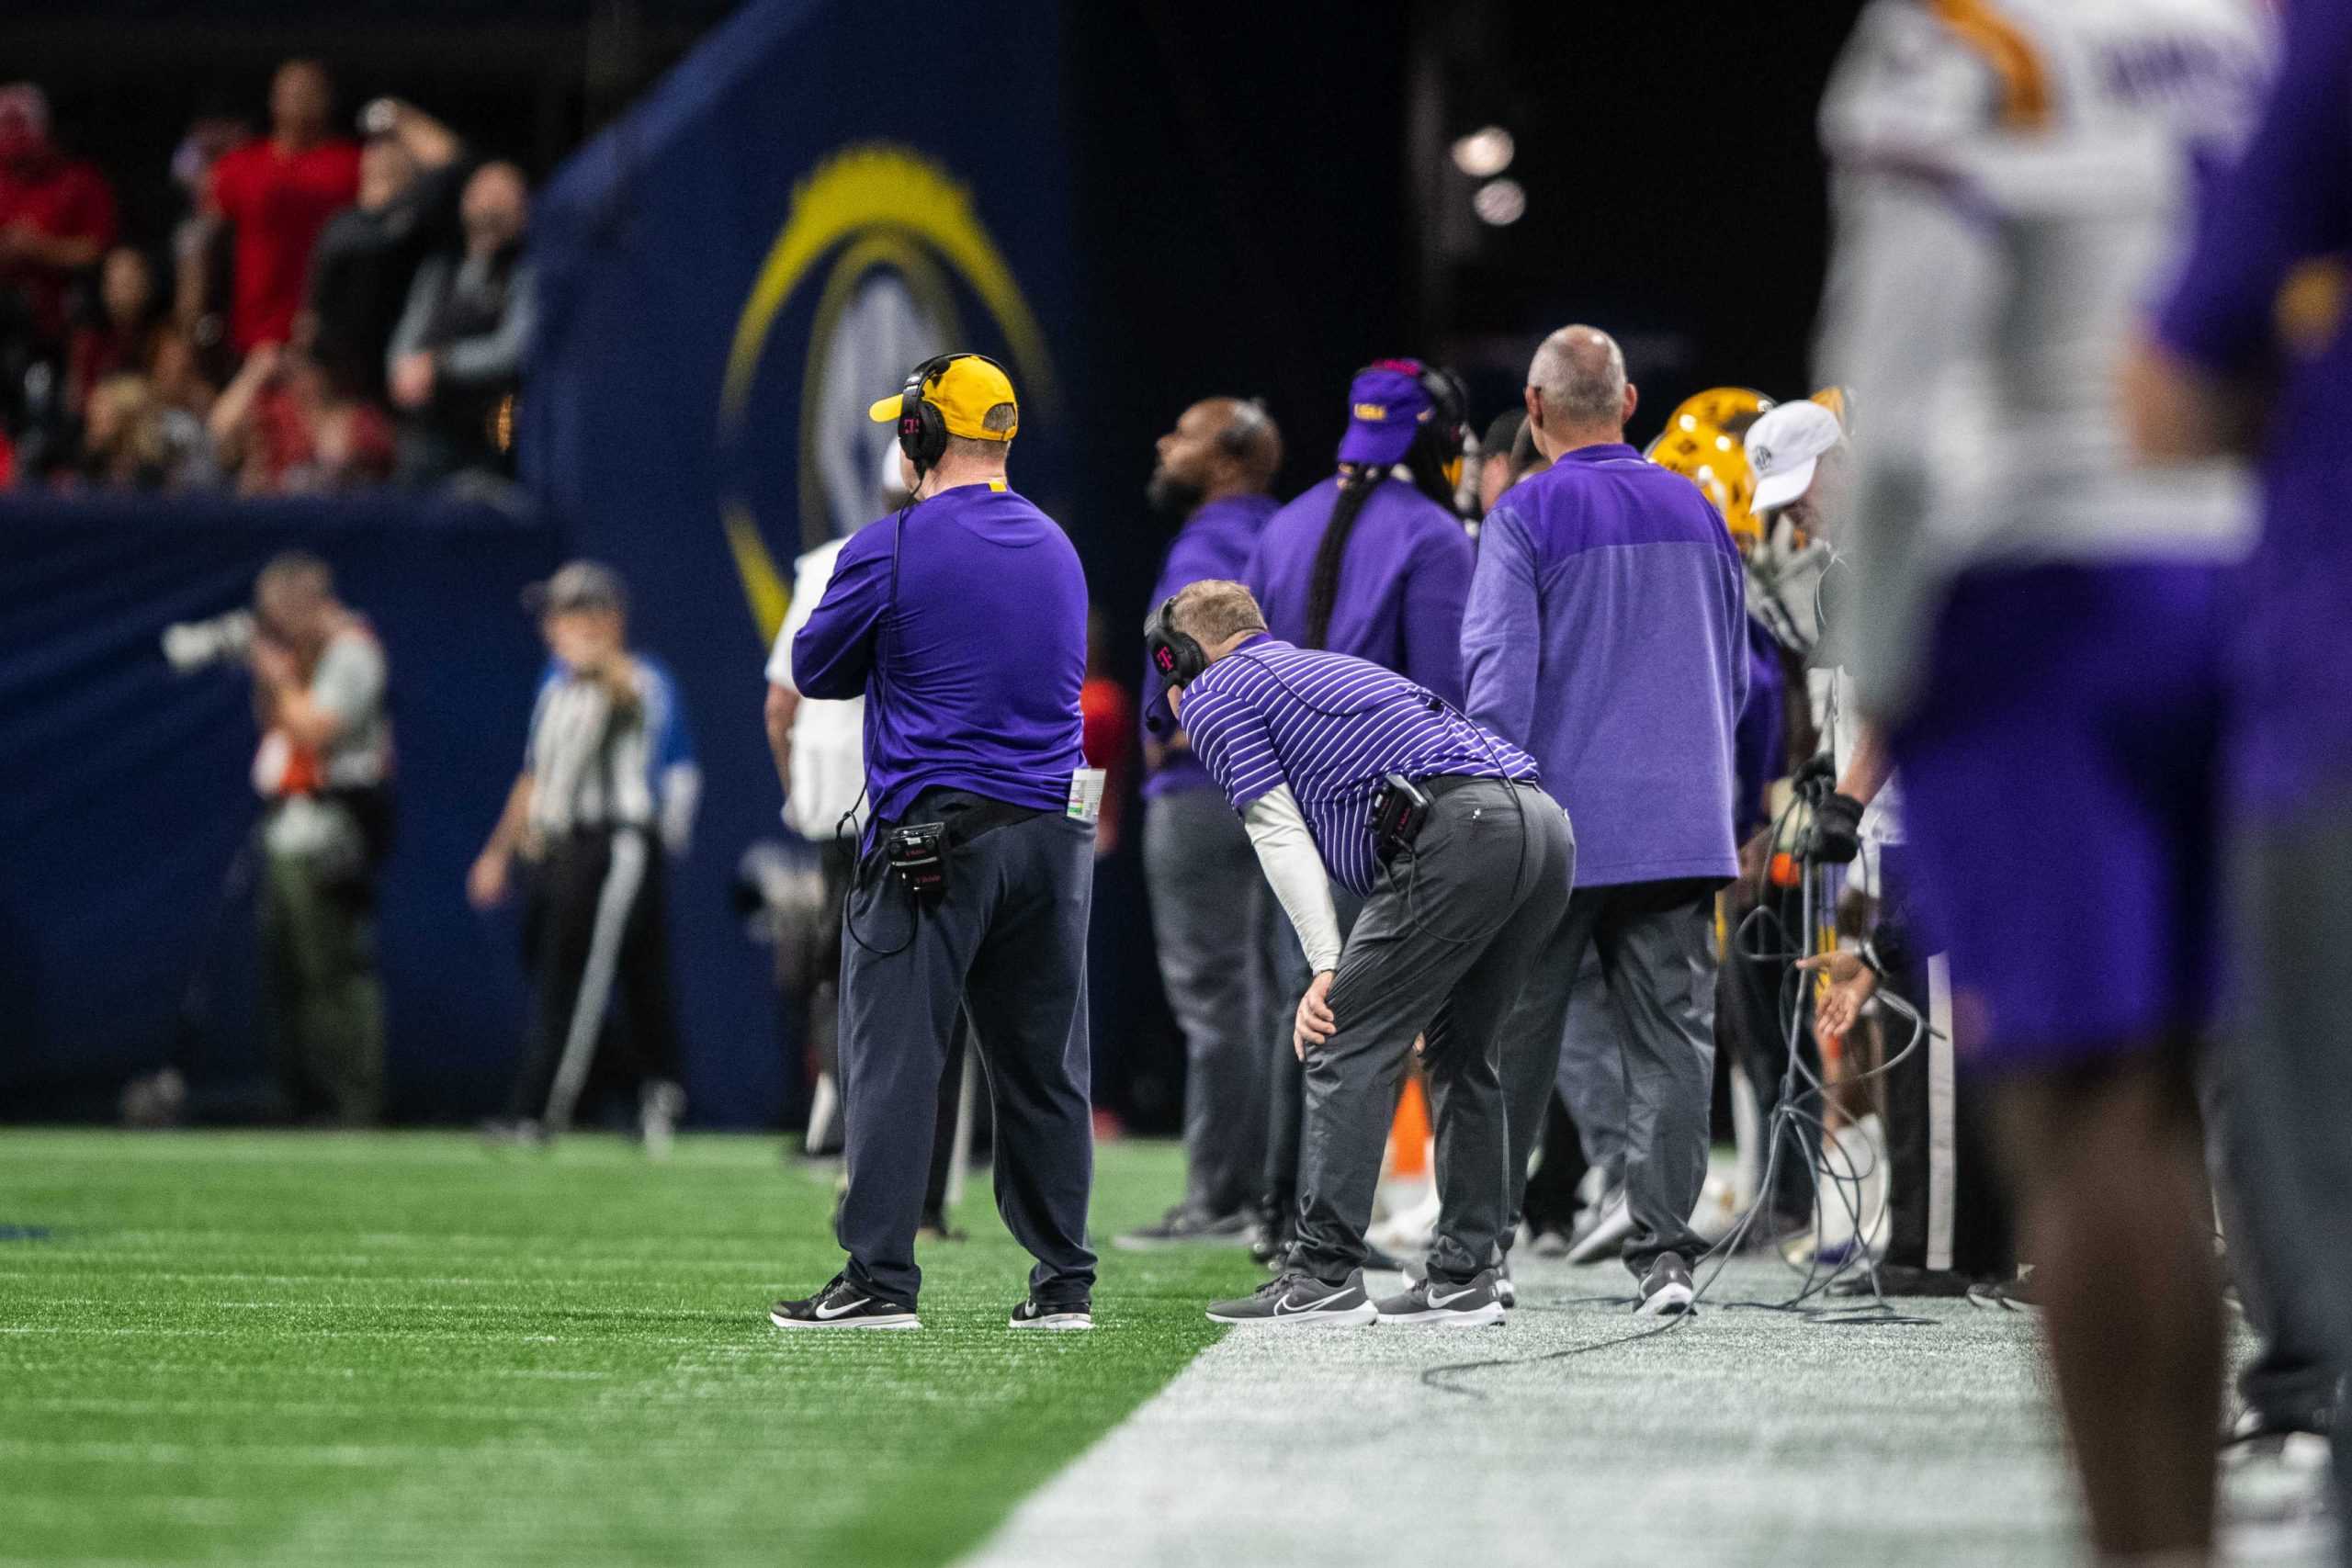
x=819 y=197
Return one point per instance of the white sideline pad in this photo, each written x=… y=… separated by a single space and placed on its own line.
x=1746 y=1438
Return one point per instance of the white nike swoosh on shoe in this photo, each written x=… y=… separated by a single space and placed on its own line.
x=825 y=1315
x=1284 y=1309
x=854 y=1325
x=1438 y=1301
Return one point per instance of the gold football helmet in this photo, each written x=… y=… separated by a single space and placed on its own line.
x=1705 y=442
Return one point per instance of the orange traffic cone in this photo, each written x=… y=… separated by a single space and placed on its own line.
x=1409 y=1137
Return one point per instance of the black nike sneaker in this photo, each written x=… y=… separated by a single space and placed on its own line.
x=1299 y=1300
x=843 y=1305
x=1034 y=1313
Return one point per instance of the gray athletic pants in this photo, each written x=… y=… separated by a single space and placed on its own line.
x=2292 y=1378
x=1657 y=958
x=1286 y=1079
x=1441 y=949
x=1007 y=939
x=2291 y=896
x=1592 y=1071
x=1212 y=916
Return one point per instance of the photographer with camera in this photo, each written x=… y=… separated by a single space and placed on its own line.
x=962 y=620
x=1346 y=772
x=325 y=766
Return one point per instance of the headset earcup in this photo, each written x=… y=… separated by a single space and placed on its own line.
x=934 y=436
x=1190 y=659
x=922 y=434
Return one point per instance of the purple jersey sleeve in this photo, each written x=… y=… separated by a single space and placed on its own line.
x=835 y=649
x=2288 y=199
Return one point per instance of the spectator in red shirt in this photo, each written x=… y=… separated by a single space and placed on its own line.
x=276 y=195
x=56 y=219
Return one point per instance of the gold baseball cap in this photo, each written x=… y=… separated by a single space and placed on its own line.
x=963 y=387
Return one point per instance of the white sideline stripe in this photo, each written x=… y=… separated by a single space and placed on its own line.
x=1743 y=1437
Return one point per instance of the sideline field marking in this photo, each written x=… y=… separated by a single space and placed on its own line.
x=1746 y=1438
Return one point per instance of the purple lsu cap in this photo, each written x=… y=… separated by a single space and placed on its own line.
x=1385 y=405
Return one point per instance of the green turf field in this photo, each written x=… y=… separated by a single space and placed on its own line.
x=407 y=1348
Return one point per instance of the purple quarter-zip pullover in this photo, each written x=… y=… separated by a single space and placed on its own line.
x=1607 y=636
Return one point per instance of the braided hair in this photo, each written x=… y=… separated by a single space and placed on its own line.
x=1426 y=460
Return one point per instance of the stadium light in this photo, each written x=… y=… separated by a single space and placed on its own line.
x=1484 y=152
x=1499 y=202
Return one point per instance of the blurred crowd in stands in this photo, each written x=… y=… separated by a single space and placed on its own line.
x=336 y=308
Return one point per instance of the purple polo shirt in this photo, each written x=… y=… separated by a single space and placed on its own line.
x=1214 y=543
x=1402 y=580
x=2286 y=202
x=1330 y=726
x=971 y=667
x=1607 y=634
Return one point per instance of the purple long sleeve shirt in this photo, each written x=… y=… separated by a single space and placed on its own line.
x=1216 y=542
x=1607 y=636
x=969 y=654
x=1402 y=581
x=2286 y=203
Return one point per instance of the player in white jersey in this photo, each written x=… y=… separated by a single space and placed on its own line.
x=2040 y=626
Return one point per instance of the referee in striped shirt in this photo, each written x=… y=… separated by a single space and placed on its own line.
x=1302 y=743
x=608 y=784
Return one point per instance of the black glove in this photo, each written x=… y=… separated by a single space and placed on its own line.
x=1815 y=777
x=1836 y=835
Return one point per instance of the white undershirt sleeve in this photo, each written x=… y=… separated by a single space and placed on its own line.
x=1295 y=869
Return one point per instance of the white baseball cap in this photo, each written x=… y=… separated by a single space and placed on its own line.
x=1783 y=448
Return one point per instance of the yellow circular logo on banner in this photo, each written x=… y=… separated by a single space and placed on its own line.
x=891 y=233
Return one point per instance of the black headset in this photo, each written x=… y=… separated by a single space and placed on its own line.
x=1177 y=656
x=922 y=430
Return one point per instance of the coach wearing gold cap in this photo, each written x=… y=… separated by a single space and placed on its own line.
x=961 y=619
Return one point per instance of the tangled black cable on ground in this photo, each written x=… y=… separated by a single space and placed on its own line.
x=1788 y=1115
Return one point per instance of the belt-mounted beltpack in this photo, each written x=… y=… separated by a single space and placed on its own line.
x=917 y=854
x=1398 y=813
